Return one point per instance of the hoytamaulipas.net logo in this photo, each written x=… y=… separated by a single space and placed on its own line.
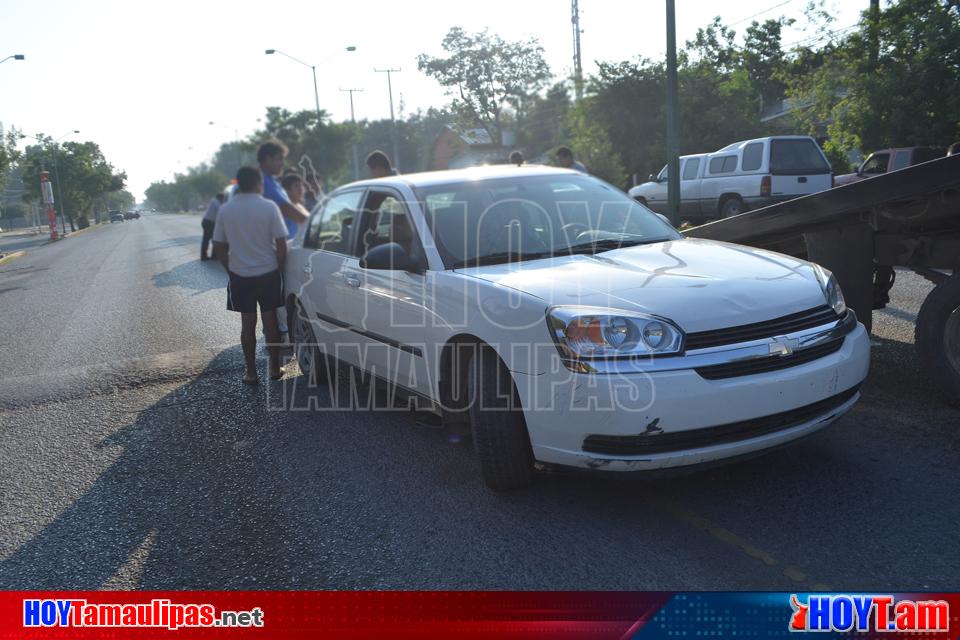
x=160 y=613
x=868 y=613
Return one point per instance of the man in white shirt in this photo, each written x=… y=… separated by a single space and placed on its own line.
x=208 y=222
x=250 y=240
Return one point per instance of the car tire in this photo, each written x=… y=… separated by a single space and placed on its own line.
x=732 y=206
x=937 y=339
x=310 y=360
x=499 y=430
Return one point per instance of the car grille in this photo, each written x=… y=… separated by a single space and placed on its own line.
x=766 y=364
x=694 y=438
x=760 y=330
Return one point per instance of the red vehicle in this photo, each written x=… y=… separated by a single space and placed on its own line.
x=887 y=160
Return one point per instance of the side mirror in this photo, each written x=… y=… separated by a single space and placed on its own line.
x=390 y=256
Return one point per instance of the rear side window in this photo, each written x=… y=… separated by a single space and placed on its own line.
x=723 y=164
x=797 y=156
x=752 y=156
x=925 y=154
x=901 y=159
x=691 y=168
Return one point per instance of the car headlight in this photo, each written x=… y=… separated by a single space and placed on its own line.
x=590 y=332
x=831 y=290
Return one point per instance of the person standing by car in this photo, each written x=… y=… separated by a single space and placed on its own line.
x=564 y=157
x=271 y=155
x=295 y=188
x=250 y=241
x=208 y=222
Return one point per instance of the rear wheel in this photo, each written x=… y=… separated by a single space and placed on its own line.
x=496 y=419
x=732 y=206
x=938 y=338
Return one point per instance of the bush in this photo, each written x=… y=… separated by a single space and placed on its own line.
x=83 y=222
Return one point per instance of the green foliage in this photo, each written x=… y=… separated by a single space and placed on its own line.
x=14 y=210
x=83 y=172
x=8 y=153
x=905 y=94
x=316 y=145
x=591 y=145
x=486 y=75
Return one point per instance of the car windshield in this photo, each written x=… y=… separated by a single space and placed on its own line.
x=519 y=218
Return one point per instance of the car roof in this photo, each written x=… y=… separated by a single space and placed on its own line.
x=736 y=145
x=449 y=176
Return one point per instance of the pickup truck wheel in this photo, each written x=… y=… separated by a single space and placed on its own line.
x=938 y=338
x=732 y=206
x=496 y=419
x=311 y=362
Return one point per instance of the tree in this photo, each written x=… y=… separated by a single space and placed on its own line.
x=84 y=174
x=906 y=93
x=591 y=144
x=315 y=144
x=764 y=59
x=544 y=125
x=8 y=153
x=487 y=75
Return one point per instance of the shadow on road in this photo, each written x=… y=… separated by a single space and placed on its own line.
x=178 y=242
x=196 y=275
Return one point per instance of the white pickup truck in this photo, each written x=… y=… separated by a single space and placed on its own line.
x=741 y=176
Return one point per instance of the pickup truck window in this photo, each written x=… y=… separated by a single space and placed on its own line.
x=723 y=164
x=901 y=160
x=752 y=156
x=876 y=164
x=690 y=169
x=797 y=156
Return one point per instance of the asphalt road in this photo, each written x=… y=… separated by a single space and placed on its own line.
x=131 y=456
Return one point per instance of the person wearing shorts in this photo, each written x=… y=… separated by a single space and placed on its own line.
x=250 y=240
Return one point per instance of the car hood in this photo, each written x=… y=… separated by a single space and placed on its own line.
x=699 y=284
x=846 y=178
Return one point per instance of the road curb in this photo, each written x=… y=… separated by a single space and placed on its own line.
x=90 y=228
x=10 y=257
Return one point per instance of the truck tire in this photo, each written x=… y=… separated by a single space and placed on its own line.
x=938 y=339
x=496 y=420
x=731 y=206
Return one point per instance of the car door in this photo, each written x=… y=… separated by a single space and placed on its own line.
x=388 y=308
x=320 y=266
x=690 y=187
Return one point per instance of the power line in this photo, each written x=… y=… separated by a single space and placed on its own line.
x=759 y=13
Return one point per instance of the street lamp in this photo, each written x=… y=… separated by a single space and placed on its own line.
x=313 y=69
x=16 y=56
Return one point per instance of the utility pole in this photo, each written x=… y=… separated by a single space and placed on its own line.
x=353 y=119
x=393 y=122
x=673 y=135
x=874 y=18
x=577 y=58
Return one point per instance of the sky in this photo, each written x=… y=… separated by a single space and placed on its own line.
x=145 y=79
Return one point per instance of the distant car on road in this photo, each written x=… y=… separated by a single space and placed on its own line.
x=116 y=216
x=886 y=160
x=742 y=176
x=564 y=323
x=131 y=215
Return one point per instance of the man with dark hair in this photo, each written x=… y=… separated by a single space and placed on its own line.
x=294 y=186
x=564 y=157
x=271 y=155
x=250 y=241
x=379 y=164
x=208 y=222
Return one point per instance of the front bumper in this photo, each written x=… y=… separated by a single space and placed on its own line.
x=563 y=410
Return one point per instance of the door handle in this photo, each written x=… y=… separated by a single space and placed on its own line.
x=353 y=282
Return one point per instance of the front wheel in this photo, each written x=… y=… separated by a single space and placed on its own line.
x=938 y=338
x=499 y=429
x=311 y=361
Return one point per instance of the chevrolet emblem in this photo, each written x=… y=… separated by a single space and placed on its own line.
x=783 y=346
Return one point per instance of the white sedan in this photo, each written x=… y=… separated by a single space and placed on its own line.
x=567 y=324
